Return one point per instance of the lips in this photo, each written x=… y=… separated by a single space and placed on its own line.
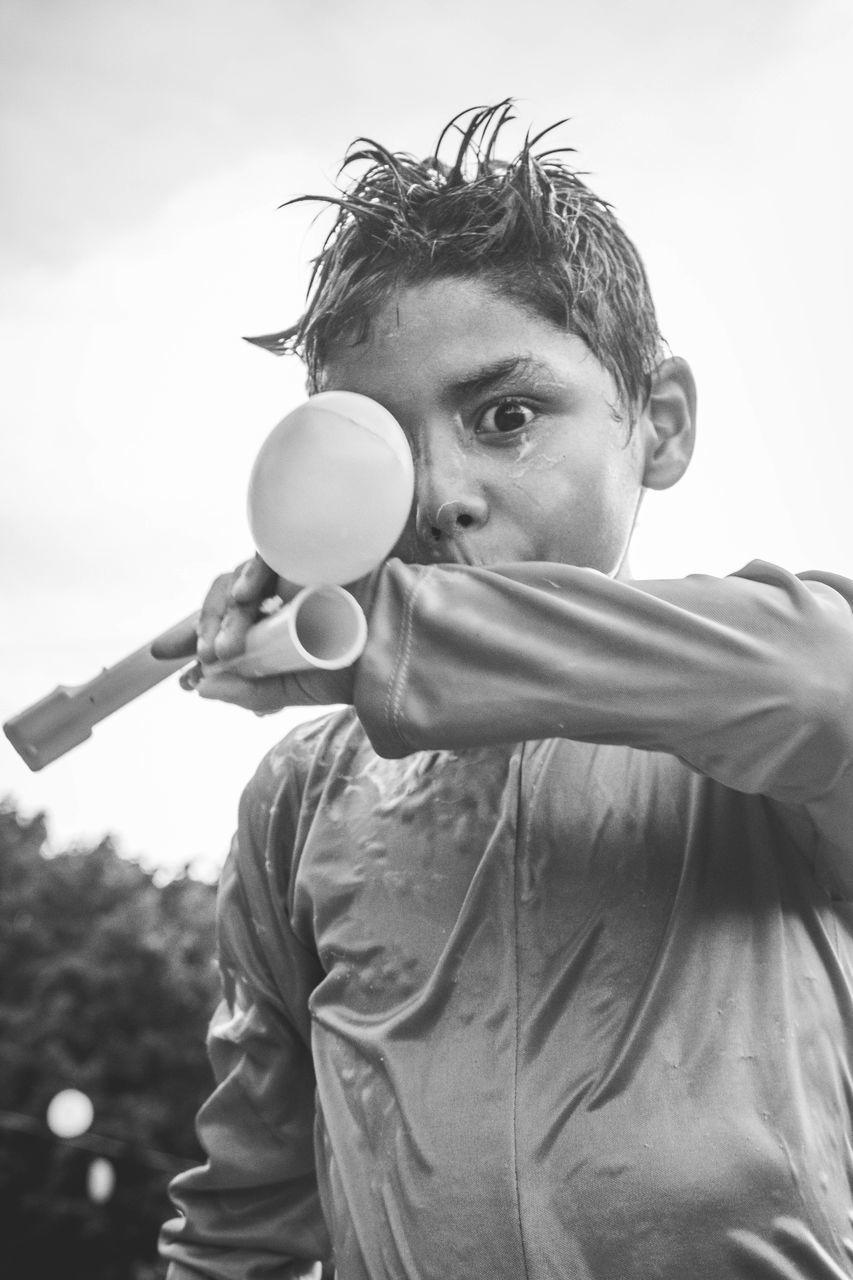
x=463 y=548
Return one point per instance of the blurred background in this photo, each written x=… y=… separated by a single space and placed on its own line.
x=146 y=147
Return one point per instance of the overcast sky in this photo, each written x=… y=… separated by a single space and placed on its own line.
x=146 y=145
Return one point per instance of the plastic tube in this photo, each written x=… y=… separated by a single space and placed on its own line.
x=321 y=627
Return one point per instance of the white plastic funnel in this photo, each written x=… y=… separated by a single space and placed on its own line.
x=331 y=489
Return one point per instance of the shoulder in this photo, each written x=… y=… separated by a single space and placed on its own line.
x=285 y=790
x=310 y=747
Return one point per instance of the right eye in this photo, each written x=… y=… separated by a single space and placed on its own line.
x=506 y=416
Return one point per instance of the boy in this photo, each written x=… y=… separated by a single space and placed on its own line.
x=535 y=956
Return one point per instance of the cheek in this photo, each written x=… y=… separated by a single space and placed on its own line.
x=572 y=513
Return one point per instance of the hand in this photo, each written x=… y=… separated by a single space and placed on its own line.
x=232 y=605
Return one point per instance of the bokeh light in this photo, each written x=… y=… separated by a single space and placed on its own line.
x=69 y=1113
x=100 y=1180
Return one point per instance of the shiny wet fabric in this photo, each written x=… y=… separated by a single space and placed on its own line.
x=529 y=1010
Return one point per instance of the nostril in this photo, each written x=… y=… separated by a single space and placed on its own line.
x=451 y=518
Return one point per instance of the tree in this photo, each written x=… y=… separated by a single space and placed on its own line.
x=107 y=982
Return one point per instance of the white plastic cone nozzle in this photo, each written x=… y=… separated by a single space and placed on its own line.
x=331 y=489
x=321 y=627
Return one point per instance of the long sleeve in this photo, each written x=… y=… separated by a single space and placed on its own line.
x=253 y=1210
x=748 y=679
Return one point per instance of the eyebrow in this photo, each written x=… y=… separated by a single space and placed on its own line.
x=499 y=371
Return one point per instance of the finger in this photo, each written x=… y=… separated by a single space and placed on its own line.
x=189 y=678
x=254 y=582
x=286 y=591
x=210 y=619
x=230 y=640
x=261 y=696
x=178 y=642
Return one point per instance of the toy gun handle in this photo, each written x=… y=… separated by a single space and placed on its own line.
x=64 y=718
x=321 y=627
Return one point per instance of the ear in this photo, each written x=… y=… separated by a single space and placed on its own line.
x=668 y=422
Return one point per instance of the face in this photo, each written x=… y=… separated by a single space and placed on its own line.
x=518 y=455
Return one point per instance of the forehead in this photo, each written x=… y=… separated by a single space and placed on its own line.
x=428 y=337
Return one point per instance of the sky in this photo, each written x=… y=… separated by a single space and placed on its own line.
x=144 y=151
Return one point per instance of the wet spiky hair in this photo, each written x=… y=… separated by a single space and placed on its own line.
x=530 y=226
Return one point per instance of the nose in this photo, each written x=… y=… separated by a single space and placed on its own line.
x=449 y=498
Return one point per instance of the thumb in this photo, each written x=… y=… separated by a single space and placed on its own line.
x=178 y=642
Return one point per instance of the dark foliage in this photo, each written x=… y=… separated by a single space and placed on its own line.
x=107 y=981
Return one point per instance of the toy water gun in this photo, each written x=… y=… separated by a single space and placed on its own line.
x=329 y=494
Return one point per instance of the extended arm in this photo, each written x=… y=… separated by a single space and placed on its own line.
x=748 y=679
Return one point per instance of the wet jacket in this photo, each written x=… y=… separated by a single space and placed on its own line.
x=538 y=961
